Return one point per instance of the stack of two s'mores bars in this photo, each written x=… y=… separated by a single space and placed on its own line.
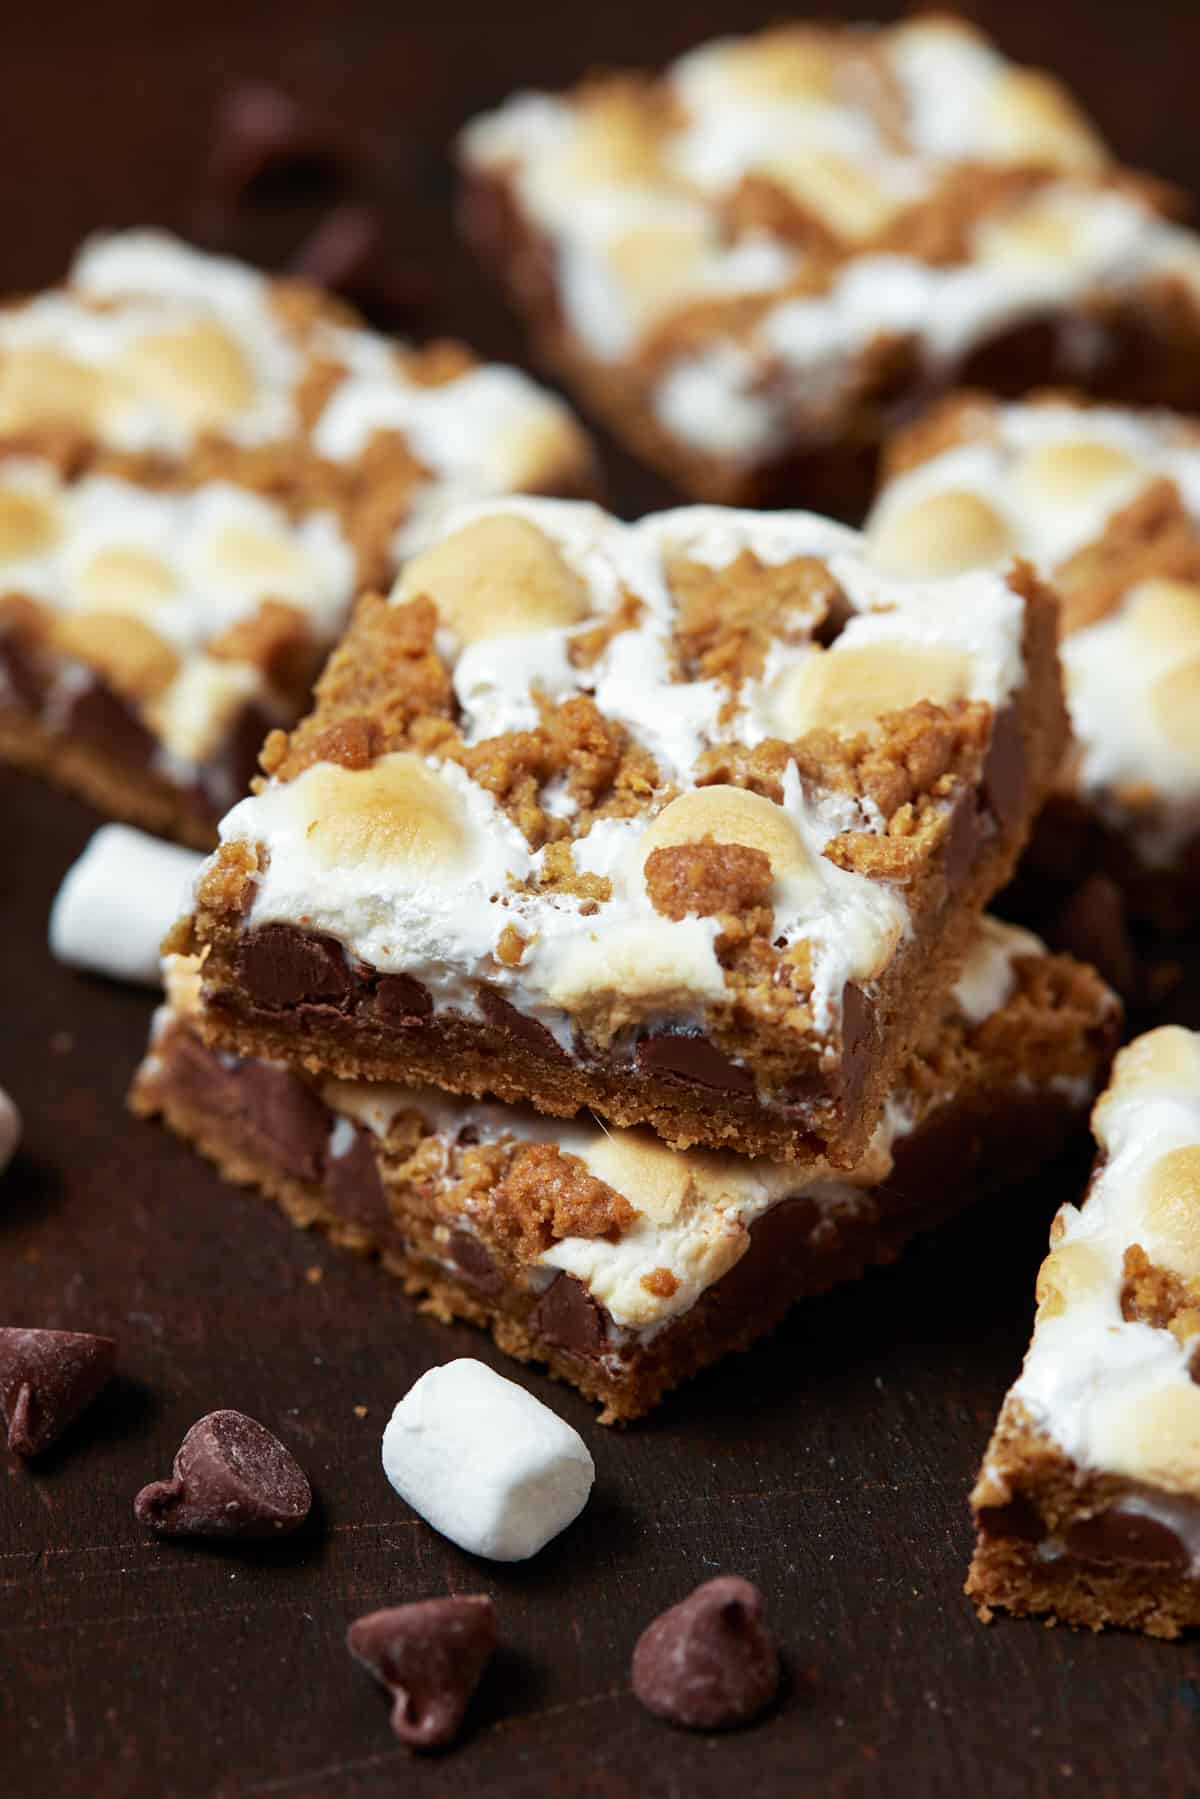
x=607 y=948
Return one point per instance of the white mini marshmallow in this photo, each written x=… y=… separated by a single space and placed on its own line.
x=118 y=902
x=485 y=1463
x=10 y=1130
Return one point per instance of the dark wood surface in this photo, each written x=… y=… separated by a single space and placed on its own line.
x=831 y=1465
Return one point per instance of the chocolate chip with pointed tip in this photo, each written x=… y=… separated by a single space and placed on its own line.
x=232 y=1478
x=47 y=1378
x=708 y=1663
x=430 y=1656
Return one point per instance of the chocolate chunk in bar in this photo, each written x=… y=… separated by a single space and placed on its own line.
x=430 y=1656
x=709 y=1663
x=47 y=1378
x=232 y=1478
x=280 y=965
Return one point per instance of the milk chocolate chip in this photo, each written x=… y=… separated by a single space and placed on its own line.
x=568 y=1315
x=1005 y=775
x=689 y=1056
x=708 y=1663
x=400 y=1000
x=232 y=1478
x=527 y=1034
x=1128 y=1539
x=47 y=1378
x=280 y=965
x=430 y=1656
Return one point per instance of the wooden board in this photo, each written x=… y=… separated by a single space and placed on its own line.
x=831 y=1465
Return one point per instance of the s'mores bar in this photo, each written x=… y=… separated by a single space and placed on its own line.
x=623 y=1265
x=1088 y=1503
x=756 y=264
x=199 y=469
x=1107 y=504
x=688 y=821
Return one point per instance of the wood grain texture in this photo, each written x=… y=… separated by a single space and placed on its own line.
x=831 y=1465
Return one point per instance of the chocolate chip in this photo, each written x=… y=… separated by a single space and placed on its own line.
x=838 y=614
x=231 y=1478
x=430 y=1656
x=280 y=965
x=1005 y=774
x=47 y=1378
x=355 y=1191
x=475 y=1264
x=400 y=1000
x=528 y=1034
x=780 y=1254
x=267 y=1112
x=708 y=1663
x=567 y=1314
x=1018 y=1518
x=1128 y=1539
x=268 y=148
x=689 y=1056
x=860 y=1034
x=961 y=843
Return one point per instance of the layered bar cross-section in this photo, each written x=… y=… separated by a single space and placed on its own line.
x=688 y=821
x=1087 y=1506
x=621 y=1264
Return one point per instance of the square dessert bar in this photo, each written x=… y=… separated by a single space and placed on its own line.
x=199 y=469
x=621 y=1264
x=757 y=263
x=1107 y=504
x=1088 y=1503
x=687 y=821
